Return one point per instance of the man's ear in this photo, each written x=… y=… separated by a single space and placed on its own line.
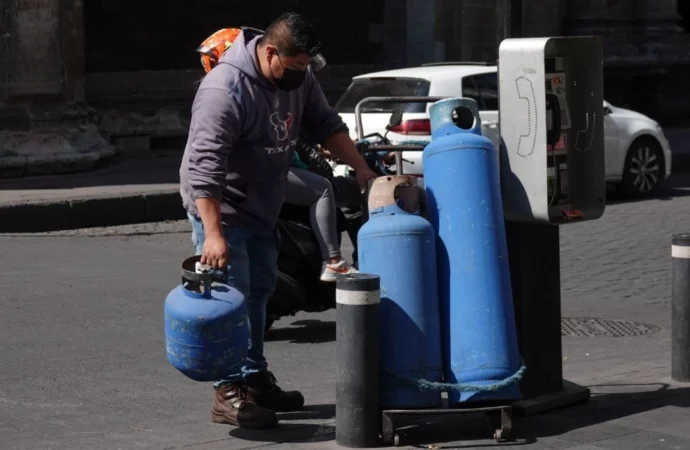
x=271 y=50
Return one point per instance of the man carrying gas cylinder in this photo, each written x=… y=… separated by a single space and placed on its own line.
x=246 y=119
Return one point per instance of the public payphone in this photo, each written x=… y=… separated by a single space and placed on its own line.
x=552 y=140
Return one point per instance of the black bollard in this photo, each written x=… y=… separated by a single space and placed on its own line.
x=357 y=384
x=680 y=308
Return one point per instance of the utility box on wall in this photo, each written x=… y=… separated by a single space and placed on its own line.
x=551 y=115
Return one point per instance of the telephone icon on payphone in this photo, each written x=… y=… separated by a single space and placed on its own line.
x=527 y=140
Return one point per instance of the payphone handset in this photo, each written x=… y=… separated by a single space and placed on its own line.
x=557 y=126
x=552 y=148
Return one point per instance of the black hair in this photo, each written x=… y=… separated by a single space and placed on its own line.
x=292 y=35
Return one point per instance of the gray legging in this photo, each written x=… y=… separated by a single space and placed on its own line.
x=309 y=189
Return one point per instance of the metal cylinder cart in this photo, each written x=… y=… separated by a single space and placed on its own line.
x=498 y=412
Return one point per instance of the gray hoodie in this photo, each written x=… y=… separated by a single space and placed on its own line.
x=242 y=135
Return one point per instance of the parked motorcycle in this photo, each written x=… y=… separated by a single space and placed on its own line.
x=299 y=287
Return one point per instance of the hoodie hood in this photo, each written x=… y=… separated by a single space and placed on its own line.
x=242 y=55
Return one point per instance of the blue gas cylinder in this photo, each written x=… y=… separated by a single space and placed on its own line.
x=206 y=325
x=398 y=245
x=461 y=174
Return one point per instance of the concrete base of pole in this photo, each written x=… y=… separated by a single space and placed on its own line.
x=572 y=394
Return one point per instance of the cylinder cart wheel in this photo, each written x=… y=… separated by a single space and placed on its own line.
x=388 y=434
x=502 y=423
x=392 y=440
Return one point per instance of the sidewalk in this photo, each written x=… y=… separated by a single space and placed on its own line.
x=100 y=380
x=127 y=191
x=88 y=364
x=606 y=274
x=136 y=190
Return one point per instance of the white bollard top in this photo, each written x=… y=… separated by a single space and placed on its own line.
x=358 y=289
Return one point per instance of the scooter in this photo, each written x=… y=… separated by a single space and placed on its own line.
x=299 y=287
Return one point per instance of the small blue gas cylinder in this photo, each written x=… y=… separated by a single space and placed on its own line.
x=206 y=325
x=461 y=174
x=398 y=245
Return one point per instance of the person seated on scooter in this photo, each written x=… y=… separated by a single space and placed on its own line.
x=345 y=188
x=246 y=117
x=310 y=189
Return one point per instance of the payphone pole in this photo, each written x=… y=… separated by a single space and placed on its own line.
x=552 y=173
x=534 y=255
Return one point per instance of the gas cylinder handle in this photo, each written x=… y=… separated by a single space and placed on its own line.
x=365 y=200
x=441 y=116
x=189 y=273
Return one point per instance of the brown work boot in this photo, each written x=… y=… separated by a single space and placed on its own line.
x=264 y=390
x=233 y=406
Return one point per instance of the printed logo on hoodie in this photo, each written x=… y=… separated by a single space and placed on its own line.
x=282 y=125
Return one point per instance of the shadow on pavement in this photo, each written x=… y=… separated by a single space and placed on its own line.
x=284 y=433
x=604 y=408
x=311 y=412
x=295 y=432
x=304 y=332
x=675 y=186
x=579 y=424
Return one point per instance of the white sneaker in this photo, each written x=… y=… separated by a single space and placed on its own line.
x=329 y=272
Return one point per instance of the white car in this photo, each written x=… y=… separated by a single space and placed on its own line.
x=637 y=154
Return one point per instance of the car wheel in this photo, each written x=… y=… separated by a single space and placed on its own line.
x=644 y=168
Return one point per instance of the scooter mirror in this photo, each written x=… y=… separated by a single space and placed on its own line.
x=396 y=118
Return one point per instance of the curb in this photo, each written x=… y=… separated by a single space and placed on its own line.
x=125 y=210
x=89 y=213
x=23 y=166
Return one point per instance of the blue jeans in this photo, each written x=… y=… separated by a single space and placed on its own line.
x=253 y=270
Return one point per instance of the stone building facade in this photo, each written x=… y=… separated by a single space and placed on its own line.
x=128 y=69
x=646 y=45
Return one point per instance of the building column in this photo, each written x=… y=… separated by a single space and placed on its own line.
x=542 y=18
x=657 y=17
x=422 y=46
x=395 y=33
x=46 y=126
x=72 y=43
x=468 y=30
x=586 y=18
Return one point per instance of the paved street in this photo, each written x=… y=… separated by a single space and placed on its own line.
x=82 y=362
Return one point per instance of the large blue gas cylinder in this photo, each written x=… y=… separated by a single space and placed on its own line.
x=461 y=174
x=398 y=245
x=206 y=325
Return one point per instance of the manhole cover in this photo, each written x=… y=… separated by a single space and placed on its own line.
x=593 y=327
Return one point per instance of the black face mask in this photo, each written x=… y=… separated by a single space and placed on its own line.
x=292 y=78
